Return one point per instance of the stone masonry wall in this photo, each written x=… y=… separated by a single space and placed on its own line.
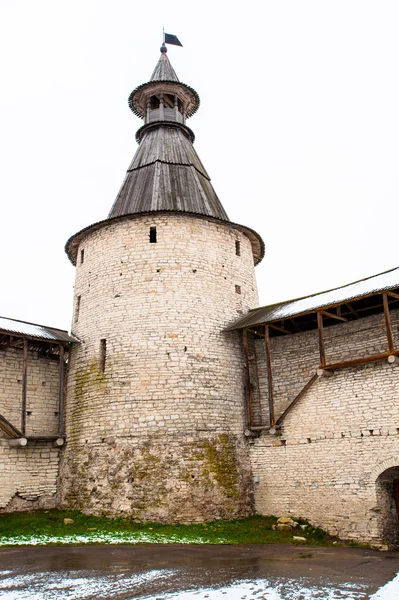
x=29 y=474
x=158 y=433
x=338 y=440
x=295 y=358
x=42 y=391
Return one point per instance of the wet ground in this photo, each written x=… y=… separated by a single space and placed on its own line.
x=273 y=572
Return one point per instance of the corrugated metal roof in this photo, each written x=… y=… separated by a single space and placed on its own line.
x=276 y=312
x=32 y=330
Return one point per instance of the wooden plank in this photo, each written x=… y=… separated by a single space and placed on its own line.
x=272 y=419
x=24 y=387
x=332 y=316
x=393 y=295
x=61 y=393
x=388 y=327
x=321 y=339
x=248 y=376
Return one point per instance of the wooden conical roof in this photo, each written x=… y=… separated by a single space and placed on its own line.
x=164 y=70
x=166 y=174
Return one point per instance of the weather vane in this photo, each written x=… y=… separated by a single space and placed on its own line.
x=169 y=38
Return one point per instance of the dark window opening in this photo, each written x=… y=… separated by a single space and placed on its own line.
x=154 y=102
x=238 y=248
x=103 y=354
x=153 y=235
x=82 y=257
x=238 y=289
x=77 y=309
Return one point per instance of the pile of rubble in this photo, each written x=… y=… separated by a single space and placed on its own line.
x=288 y=524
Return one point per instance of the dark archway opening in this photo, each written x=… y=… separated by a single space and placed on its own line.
x=388 y=504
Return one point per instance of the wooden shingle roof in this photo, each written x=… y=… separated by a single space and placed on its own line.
x=164 y=70
x=167 y=174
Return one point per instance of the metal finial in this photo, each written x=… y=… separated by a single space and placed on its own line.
x=164 y=49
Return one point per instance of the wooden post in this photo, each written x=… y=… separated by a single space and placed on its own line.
x=176 y=108
x=249 y=399
x=24 y=387
x=61 y=393
x=321 y=339
x=161 y=108
x=269 y=377
x=388 y=327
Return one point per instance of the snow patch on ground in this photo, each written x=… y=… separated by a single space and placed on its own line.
x=72 y=585
x=300 y=589
x=390 y=591
x=102 y=538
x=69 y=586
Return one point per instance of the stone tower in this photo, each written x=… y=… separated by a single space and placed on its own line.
x=155 y=408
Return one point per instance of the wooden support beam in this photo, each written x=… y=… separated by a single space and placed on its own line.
x=321 y=339
x=361 y=361
x=388 y=327
x=278 y=328
x=61 y=393
x=272 y=419
x=18 y=442
x=294 y=323
x=352 y=310
x=24 y=387
x=296 y=399
x=248 y=376
x=255 y=332
x=393 y=295
x=332 y=316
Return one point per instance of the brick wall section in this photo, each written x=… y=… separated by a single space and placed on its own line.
x=295 y=358
x=29 y=474
x=42 y=391
x=342 y=435
x=158 y=435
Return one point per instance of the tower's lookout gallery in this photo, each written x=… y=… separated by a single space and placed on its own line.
x=176 y=398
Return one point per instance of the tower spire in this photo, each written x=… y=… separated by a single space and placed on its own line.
x=166 y=174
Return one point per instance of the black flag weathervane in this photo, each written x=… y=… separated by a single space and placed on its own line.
x=169 y=38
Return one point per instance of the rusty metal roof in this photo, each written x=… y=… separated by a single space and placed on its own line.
x=33 y=331
x=293 y=308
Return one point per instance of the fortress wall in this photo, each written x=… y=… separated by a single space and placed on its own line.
x=29 y=474
x=295 y=358
x=337 y=441
x=158 y=434
x=42 y=391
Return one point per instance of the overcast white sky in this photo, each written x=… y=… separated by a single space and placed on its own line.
x=298 y=129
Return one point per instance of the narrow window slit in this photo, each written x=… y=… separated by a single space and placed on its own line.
x=153 y=235
x=82 y=257
x=238 y=248
x=103 y=354
x=77 y=309
x=238 y=289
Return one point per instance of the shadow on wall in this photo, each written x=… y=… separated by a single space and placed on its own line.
x=387 y=485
